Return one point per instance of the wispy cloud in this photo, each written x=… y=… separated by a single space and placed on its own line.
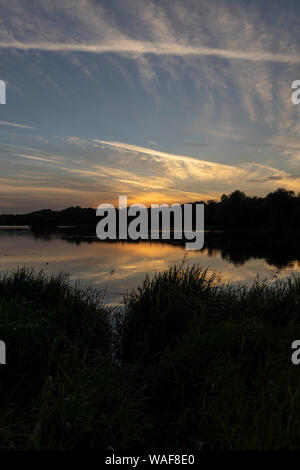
x=222 y=75
x=34 y=157
x=15 y=124
x=145 y=175
x=157 y=153
x=140 y=48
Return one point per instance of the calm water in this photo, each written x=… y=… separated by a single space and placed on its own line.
x=118 y=267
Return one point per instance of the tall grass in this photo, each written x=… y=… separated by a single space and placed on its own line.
x=216 y=359
x=59 y=388
x=202 y=365
x=161 y=310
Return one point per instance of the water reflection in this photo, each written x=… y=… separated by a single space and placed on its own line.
x=117 y=267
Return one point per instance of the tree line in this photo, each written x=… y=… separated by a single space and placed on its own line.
x=278 y=209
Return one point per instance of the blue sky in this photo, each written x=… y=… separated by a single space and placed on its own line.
x=168 y=101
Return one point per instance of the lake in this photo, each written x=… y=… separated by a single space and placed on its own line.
x=116 y=267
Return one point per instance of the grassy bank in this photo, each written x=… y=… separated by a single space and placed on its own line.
x=202 y=366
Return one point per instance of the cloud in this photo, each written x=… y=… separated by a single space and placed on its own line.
x=76 y=141
x=139 y=48
x=280 y=178
x=222 y=73
x=157 y=153
x=34 y=157
x=166 y=29
x=224 y=48
x=15 y=124
x=106 y=169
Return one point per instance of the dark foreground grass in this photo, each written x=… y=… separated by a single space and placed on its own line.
x=202 y=366
x=59 y=388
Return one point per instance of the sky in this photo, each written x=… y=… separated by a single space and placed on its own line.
x=163 y=101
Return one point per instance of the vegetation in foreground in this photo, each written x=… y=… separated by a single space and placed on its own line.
x=199 y=365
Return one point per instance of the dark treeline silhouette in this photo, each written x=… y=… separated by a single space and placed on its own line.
x=48 y=219
x=279 y=209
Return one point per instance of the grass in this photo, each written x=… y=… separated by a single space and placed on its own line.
x=59 y=365
x=201 y=365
